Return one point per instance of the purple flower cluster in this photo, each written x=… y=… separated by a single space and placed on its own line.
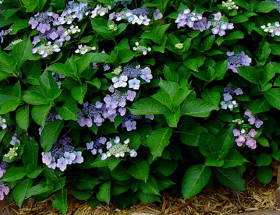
x=220 y=27
x=100 y=10
x=110 y=148
x=228 y=102
x=58 y=79
x=129 y=121
x=114 y=103
x=135 y=16
x=3 y=34
x=73 y=10
x=15 y=141
x=247 y=138
x=4 y=190
x=123 y=3
x=3 y=167
x=237 y=60
x=97 y=145
x=193 y=20
x=43 y=21
x=62 y=154
x=197 y=21
x=253 y=120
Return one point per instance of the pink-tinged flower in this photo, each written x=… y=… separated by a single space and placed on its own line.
x=236 y=132
x=252 y=132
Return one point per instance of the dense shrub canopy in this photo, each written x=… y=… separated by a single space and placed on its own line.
x=120 y=100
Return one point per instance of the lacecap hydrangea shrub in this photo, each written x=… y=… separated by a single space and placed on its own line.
x=121 y=100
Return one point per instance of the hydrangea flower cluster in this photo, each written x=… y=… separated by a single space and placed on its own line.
x=73 y=10
x=3 y=167
x=3 y=34
x=46 y=49
x=193 y=20
x=230 y=5
x=123 y=3
x=15 y=141
x=100 y=10
x=117 y=149
x=247 y=138
x=228 y=102
x=3 y=123
x=83 y=49
x=135 y=16
x=97 y=145
x=12 y=153
x=42 y=22
x=220 y=27
x=115 y=102
x=129 y=121
x=4 y=190
x=62 y=154
x=141 y=49
x=237 y=60
x=253 y=120
x=157 y=15
x=58 y=79
x=273 y=29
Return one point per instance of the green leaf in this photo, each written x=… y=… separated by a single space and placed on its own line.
x=22 y=51
x=20 y=190
x=13 y=174
x=191 y=137
x=30 y=154
x=158 y=140
x=197 y=108
x=79 y=93
x=229 y=177
x=68 y=111
x=147 y=198
x=40 y=113
x=19 y=25
x=264 y=159
x=82 y=194
x=264 y=174
x=264 y=51
x=7 y=63
x=50 y=134
x=263 y=141
x=120 y=173
x=60 y=201
x=273 y=97
x=195 y=179
x=249 y=73
x=61 y=69
x=148 y=106
x=194 y=63
x=258 y=106
x=165 y=167
x=140 y=170
x=150 y=187
x=266 y=7
x=22 y=117
x=211 y=96
x=33 y=171
x=234 y=158
x=104 y=193
x=36 y=95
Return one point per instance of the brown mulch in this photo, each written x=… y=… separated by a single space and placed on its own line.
x=220 y=201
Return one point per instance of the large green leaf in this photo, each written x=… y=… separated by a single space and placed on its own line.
x=230 y=177
x=158 y=140
x=13 y=174
x=273 y=97
x=140 y=170
x=104 y=193
x=40 y=113
x=60 y=201
x=195 y=179
x=249 y=73
x=197 y=108
x=148 y=106
x=79 y=93
x=264 y=174
x=30 y=154
x=20 y=191
x=22 y=117
x=50 y=134
x=69 y=110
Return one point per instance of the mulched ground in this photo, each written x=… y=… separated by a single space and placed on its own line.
x=220 y=201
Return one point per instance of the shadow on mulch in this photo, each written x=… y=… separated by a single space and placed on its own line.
x=220 y=200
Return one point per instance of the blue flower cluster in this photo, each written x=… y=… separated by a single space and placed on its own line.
x=110 y=148
x=62 y=154
x=228 y=102
x=197 y=21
